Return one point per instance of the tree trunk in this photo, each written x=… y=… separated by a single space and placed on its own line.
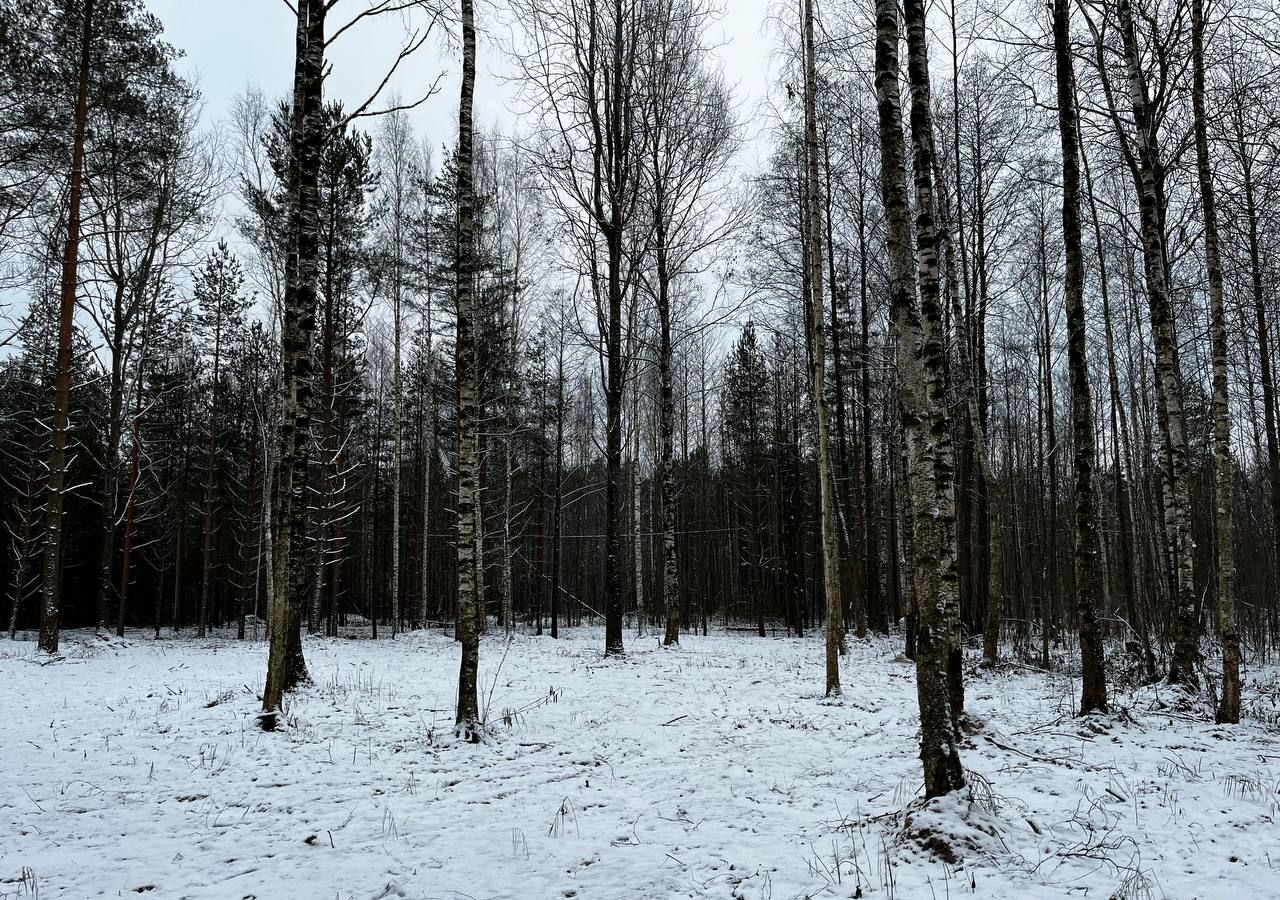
x=51 y=576
x=637 y=524
x=468 y=713
x=397 y=463
x=921 y=423
x=1228 y=633
x=1149 y=183
x=131 y=502
x=557 y=507
x=206 y=570
x=286 y=666
x=1093 y=688
x=818 y=368
x=666 y=428
x=942 y=476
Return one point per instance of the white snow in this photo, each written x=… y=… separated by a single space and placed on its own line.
x=716 y=770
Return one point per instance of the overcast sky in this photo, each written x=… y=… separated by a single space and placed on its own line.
x=233 y=43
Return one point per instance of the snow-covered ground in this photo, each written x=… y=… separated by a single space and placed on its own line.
x=716 y=770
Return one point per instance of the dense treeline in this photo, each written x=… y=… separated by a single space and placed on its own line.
x=568 y=375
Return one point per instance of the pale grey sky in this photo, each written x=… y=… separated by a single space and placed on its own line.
x=232 y=43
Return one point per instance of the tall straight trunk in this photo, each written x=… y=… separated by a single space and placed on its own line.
x=613 y=449
x=1149 y=183
x=51 y=576
x=1049 y=456
x=179 y=545
x=557 y=506
x=286 y=666
x=921 y=424
x=211 y=475
x=111 y=462
x=429 y=449
x=131 y=503
x=871 y=546
x=666 y=429
x=540 y=543
x=1093 y=688
x=852 y=591
x=944 y=549
x=131 y=500
x=818 y=367
x=614 y=134
x=241 y=601
x=468 y=713
x=637 y=523
x=1228 y=633
x=508 y=599
x=397 y=463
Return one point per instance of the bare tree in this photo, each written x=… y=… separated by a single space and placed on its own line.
x=581 y=64
x=692 y=133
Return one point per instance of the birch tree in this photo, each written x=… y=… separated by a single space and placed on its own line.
x=468 y=712
x=919 y=380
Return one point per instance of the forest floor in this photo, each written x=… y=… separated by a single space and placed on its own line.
x=716 y=770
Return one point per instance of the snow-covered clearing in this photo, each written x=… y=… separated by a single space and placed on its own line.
x=716 y=770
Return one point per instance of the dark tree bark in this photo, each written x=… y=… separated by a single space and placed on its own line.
x=1093 y=690
x=468 y=713
x=286 y=666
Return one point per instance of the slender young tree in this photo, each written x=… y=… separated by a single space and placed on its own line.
x=691 y=133
x=818 y=365
x=398 y=172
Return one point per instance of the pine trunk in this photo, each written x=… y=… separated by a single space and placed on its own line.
x=51 y=576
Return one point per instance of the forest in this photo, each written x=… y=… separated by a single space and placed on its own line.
x=949 y=360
